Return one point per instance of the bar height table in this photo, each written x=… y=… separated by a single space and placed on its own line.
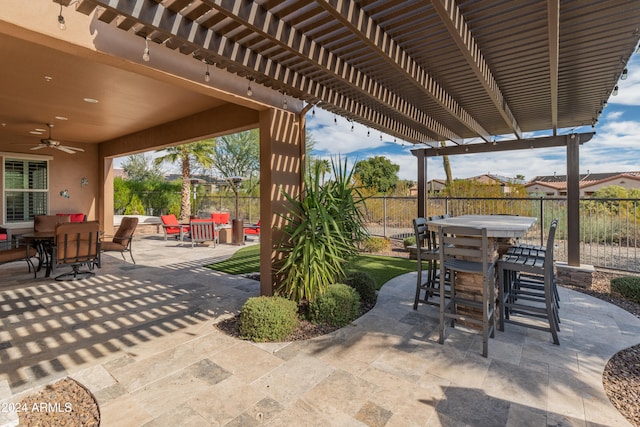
x=501 y=230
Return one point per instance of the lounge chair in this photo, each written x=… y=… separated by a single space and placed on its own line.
x=123 y=238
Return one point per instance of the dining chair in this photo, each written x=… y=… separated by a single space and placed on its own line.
x=75 y=245
x=528 y=292
x=123 y=239
x=427 y=257
x=465 y=250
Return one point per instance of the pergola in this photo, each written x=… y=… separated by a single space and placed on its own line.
x=426 y=72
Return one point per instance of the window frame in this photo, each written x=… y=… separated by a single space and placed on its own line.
x=24 y=157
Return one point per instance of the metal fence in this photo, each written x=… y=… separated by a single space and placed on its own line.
x=609 y=235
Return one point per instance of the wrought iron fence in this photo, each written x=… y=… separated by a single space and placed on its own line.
x=609 y=235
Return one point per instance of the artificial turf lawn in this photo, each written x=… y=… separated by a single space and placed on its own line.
x=382 y=268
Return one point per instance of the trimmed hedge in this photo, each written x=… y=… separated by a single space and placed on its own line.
x=338 y=306
x=628 y=286
x=364 y=283
x=265 y=319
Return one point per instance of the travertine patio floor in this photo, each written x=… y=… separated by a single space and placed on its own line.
x=141 y=339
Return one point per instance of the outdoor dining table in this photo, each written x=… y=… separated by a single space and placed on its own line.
x=501 y=231
x=42 y=241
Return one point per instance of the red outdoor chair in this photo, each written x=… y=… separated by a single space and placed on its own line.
x=221 y=218
x=172 y=227
x=252 y=230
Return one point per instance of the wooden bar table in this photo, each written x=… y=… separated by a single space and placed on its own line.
x=501 y=230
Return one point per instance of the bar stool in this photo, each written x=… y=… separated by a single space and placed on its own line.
x=527 y=290
x=427 y=255
x=459 y=248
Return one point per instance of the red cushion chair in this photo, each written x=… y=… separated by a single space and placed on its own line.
x=221 y=218
x=253 y=230
x=74 y=217
x=172 y=227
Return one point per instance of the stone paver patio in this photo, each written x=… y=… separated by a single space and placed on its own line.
x=141 y=339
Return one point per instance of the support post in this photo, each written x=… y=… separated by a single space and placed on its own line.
x=573 y=200
x=422 y=183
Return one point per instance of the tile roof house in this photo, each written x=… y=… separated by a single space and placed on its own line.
x=556 y=185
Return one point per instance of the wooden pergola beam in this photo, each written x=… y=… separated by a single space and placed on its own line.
x=356 y=20
x=520 y=144
x=193 y=36
x=453 y=19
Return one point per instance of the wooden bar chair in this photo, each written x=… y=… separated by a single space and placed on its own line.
x=466 y=250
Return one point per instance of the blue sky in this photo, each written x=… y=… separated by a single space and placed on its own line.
x=614 y=148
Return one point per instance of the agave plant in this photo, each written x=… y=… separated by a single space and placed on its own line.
x=321 y=232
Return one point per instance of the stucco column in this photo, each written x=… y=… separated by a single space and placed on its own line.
x=282 y=150
x=105 y=198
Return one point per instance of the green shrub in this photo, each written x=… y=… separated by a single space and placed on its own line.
x=268 y=318
x=338 y=306
x=364 y=283
x=628 y=287
x=409 y=241
x=376 y=244
x=321 y=231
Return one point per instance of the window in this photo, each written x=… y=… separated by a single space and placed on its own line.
x=26 y=189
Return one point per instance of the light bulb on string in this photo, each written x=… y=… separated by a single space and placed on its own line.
x=207 y=75
x=146 y=53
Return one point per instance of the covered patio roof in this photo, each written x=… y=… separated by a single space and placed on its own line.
x=423 y=71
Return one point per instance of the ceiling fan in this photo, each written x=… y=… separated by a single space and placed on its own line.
x=53 y=143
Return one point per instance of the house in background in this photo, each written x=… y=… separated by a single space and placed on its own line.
x=437 y=186
x=556 y=185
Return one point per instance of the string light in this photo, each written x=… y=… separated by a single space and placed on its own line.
x=249 y=91
x=61 y=24
x=615 y=91
x=145 y=53
x=351 y=126
x=284 y=102
x=380 y=137
x=207 y=75
x=335 y=120
x=624 y=74
x=368 y=133
x=313 y=112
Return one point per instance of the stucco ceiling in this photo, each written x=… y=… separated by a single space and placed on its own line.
x=43 y=85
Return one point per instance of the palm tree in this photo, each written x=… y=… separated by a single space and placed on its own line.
x=321 y=167
x=189 y=156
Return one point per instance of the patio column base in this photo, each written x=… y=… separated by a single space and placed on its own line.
x=580 y=276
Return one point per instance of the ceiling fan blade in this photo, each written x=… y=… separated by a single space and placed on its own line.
x=72 y=148
x=65 y=149
x=37 y=147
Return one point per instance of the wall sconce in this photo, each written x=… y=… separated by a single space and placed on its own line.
x=65 y=194
x=84 y=182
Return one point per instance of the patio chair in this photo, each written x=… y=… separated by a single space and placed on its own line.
x=203 y=231
x=466 y=250
x=528 y=292
x=172 y=227
x=427 y=256
x=6 y=241
x=76 y=244
x=122 y=240
x=48 y=223
x=252 y=230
